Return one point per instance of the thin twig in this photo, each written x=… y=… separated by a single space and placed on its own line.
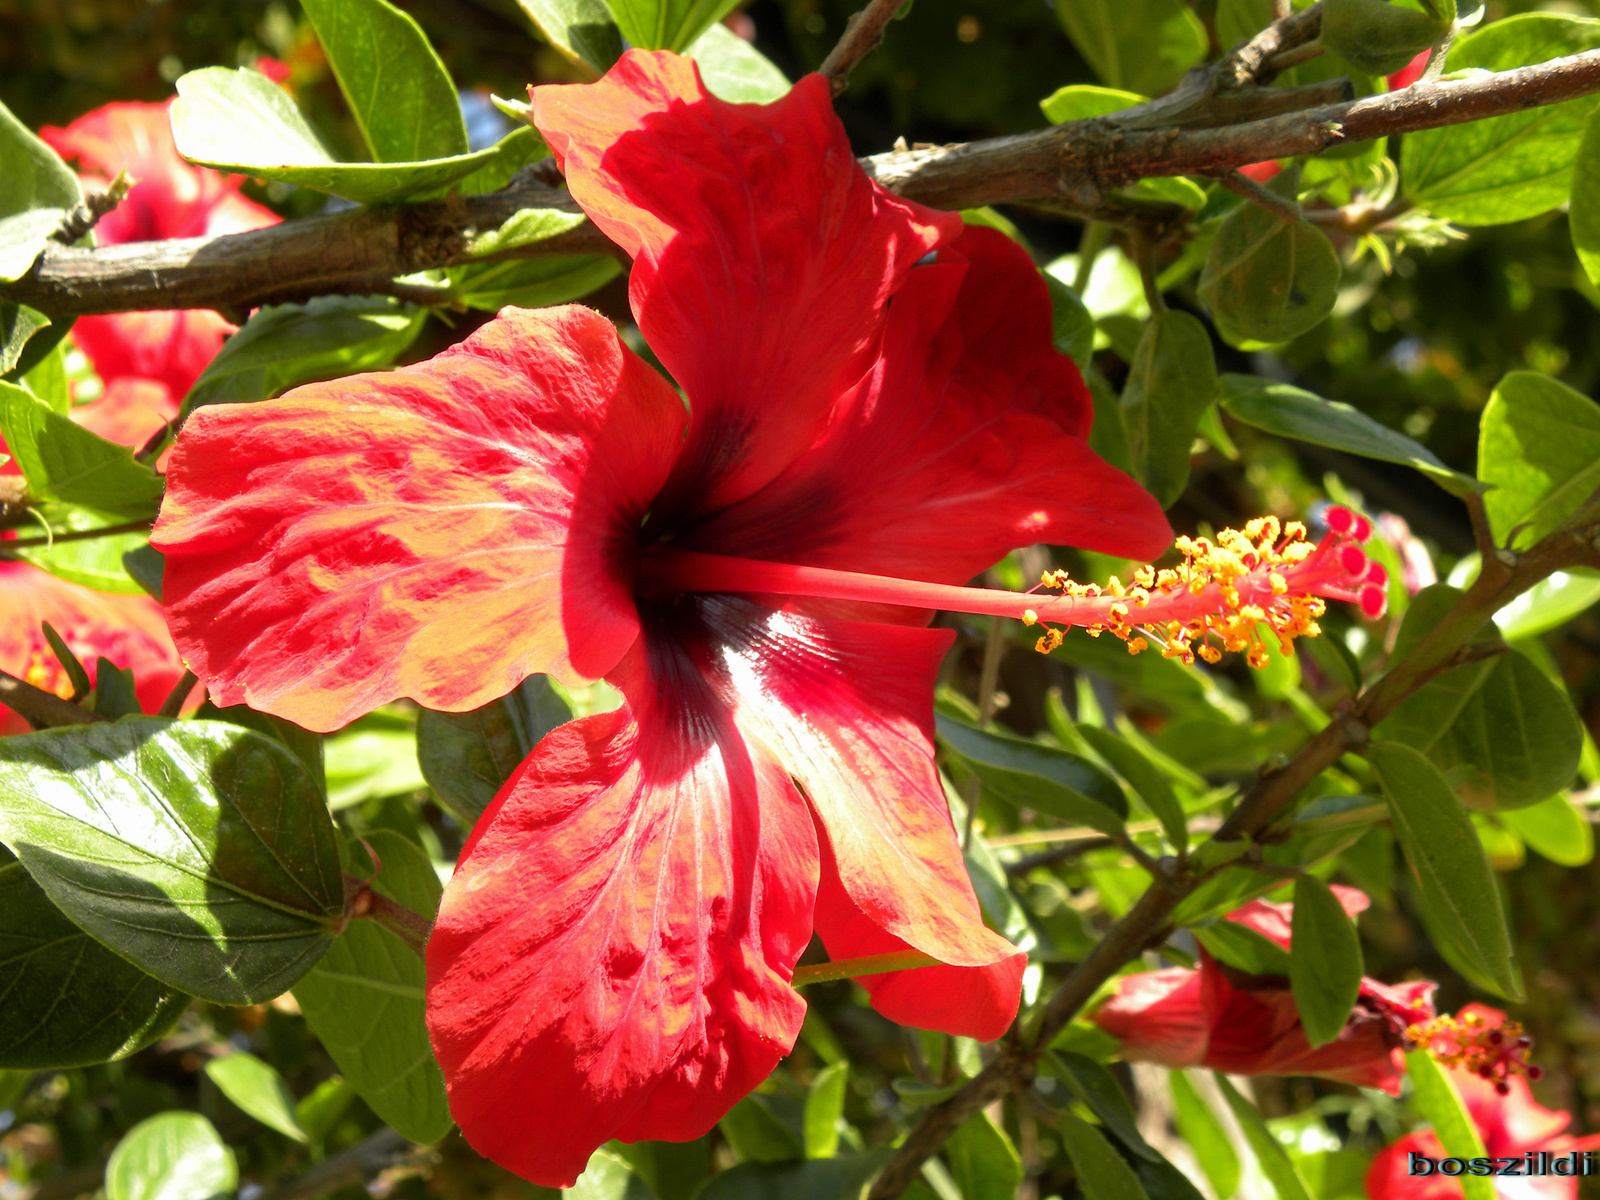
x=1242 y=185
x=42 y=709
x=862 y=33
x=71 y=535
x=173 y=704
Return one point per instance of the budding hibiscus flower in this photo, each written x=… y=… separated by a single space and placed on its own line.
x=1510 y=1122
x=1216 y=1017
x=870 y=387
x=170 y=198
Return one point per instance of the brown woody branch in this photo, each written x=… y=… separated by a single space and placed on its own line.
x=42 y=709
x=861 y=35
x=1075 y=167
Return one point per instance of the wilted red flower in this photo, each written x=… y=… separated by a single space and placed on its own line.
x=1219 y=1018
x=613 y=955
x=1510 y=1122
x=170 y=198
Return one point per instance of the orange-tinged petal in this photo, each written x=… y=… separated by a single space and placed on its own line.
x=171 y=348
x=439 y=532
x=611 y=959
x=763 y=254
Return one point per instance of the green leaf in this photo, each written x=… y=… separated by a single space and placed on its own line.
x=1071 y=322
x=757 y=1135
x=1204 y=1134
x=95 y=562
x=466 y=757
x=372 y=757
x=63 y=461
x=1145 y=777
x=1583 y=210
x=1268 y=279
x=983 y=1162
x=114 y=694
x=256 y=1089
x=47 y=379
x=607 y=1177
x=1242 y=947
x=1539 y=446
x=1275 y=1163
x=1080 y=101
x=65 y=1000
x=523 y=145
x=1552 y=601
x=1290 y=412
x=1097 y=1087
x=1102 y=1172
x=18 y=323
x=525 y=227
x=1501 y=718
x=283 y=345
x=1555 y=828
x=825 y=1108
x=1171 y=383
x=815 y=1179
x=36 y=191
x=1375 y=36
x=242 y=121
x=1508 y=167
x=224 y=883
x=23 y=237
x=583 y=31
x=1436 y=1100
x=734 y=70
x=174 y=1156
x=530 y=282
x=667 y=24
x=1457 y=889
x=1138 y=45
x=364 y=1000
x=399 y=92
x=1325 y=970
x=320 y=1111
x=1030 y=775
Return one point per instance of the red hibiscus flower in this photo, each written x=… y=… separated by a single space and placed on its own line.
x=870 y=387
x=1510 y=1122
x=170 y=198
x=1215 y=1017
x=1410 y=73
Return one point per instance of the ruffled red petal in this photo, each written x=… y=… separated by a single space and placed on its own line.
x=439 y=532
x=1158 y=1017
x=964 y=440
x=763 y=254
x=611 y=959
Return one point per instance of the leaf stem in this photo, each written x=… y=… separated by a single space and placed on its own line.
x=367 y=904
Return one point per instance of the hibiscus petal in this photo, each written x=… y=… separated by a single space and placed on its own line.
x=964 y=441
x=847 y=709
x=171 y=348
x=439 y=532
x=1159 y=1017
x=612 y=956
x=764 y=255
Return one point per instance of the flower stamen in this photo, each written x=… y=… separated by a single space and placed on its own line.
x=1492 y=1051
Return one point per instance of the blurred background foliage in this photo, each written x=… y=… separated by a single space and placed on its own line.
x=1418 y=349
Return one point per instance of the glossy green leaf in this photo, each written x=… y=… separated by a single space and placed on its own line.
x=1145 y=777
x=1268 y=279
x=364 y=999
x=1325 y=969
x=1030 y=775
x=982 y=1161
x=1501 y=718
x=96 y=562
x=734 y=70
x=466 y=757
x=1456 y=887
x=757 y=1135
x=242 y=121
x=1375 y=36
x=398 y=90
x=65 y=462
x=1171 y=383
x=1137 y=45
x=1291 y=412
x=18 y=324
x=36 y=192
x=1539 y=446
x=283 y=345
x=583 y=31
x=607 y=1177
x=1508 y=167
x=1172 y=685
x=65 y=1000
x=114 y=694
x=47 y=379
x=1080 y=101
x=1204 y=1134
x=1552 y=601
x=1102 y=1172
x=23 y=237
x=815 y=1179
x=1097 y=1087
x=523 y=145
x=1583 y=209
x=257 y=1089
x=1242 y=947
x=224 y=883
x=1071 y=322
x=174 y=1156
x=667 y=24
x=1555 y=828
x=1270 y=1154
x=1437 y=1102
x=531 y=282
x=825 y=1109
x=318 y=1112
x=374 y=756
